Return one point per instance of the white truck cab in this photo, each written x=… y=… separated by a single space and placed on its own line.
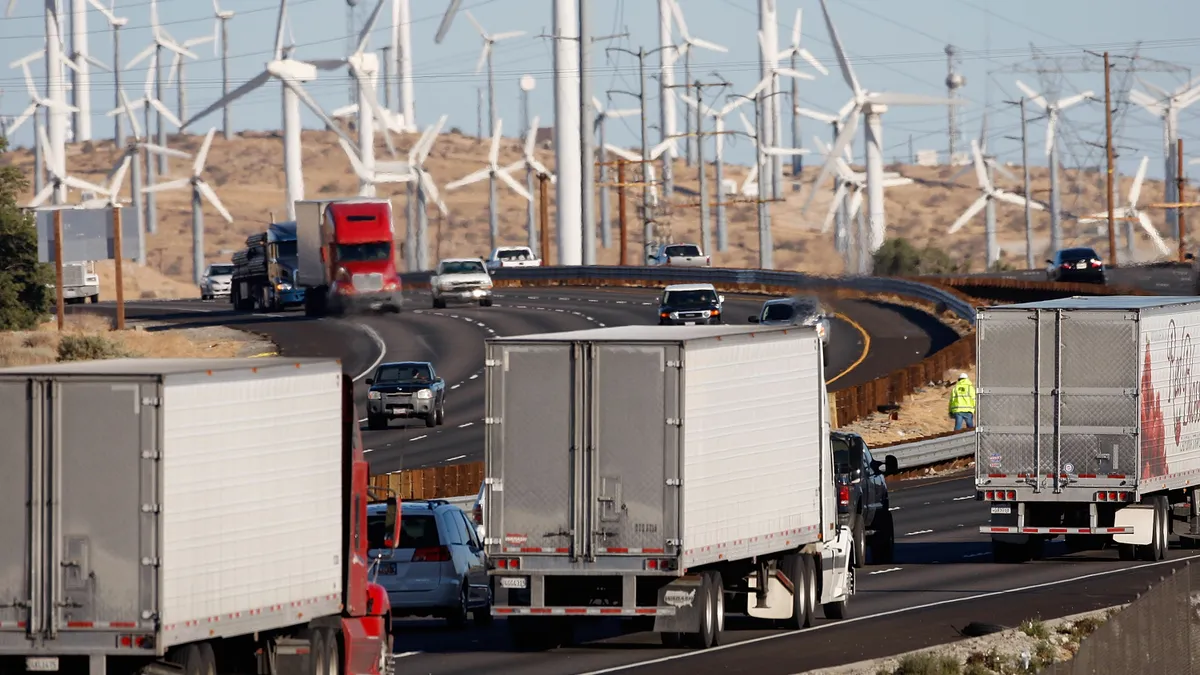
x=80 y=282
x=461 y=279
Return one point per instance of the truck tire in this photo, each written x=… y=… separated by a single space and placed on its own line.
x=441 y=411
x=190 y=659
x=1157 y=548
x=377 y=422
x=883 y=543
x=432 y=418
x=809 y=565
x=438 y=303
x=317 y=653
x=208 y=659
x=802 y=604
x=486 y=302
x=1007 y=553
x=710 y=604
x=333 y=655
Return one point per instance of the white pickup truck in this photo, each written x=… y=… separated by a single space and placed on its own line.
x=678 y=255
x=461 y=279
x=513 y=256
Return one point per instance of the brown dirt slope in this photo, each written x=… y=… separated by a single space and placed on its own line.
x=247 y=174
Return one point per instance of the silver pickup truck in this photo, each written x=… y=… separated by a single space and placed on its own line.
x=678 y=255
x=513 y=256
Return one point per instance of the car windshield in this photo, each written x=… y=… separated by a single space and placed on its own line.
x=370 y=252
x=286 y=249
x=217 y=270
x=697 y=298
x=780 y=311
x=517 y=254
x=1077 y=254
x=682 y=251
x=416 y=530
x=403 y=373
x=462 y=267
x=841 y=455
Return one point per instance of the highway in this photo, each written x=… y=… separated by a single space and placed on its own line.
x=942 y=577
x=1159 y=280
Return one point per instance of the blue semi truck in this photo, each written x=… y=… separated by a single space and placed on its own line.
x=264 y=273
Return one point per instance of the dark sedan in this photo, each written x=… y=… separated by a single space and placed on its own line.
x=405 y=390
x=1076 y=264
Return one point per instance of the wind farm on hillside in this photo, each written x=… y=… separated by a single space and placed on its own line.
x=823 y=200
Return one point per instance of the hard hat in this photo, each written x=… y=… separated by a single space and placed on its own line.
x=962 y=376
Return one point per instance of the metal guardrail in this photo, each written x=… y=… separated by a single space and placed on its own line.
x=931 y=450
x=715 y=275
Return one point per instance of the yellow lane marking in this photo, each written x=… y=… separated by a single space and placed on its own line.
x=862 y=357
x=263 y=354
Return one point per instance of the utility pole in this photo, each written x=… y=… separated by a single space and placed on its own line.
x=1181 y=179
x=702 y=173
x=544 y=204
x=1028 y=196
x=621 y=204
x=1108 y=143
x=647 y=216
x=387 y=78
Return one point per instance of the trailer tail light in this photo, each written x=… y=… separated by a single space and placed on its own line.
x=1112 y=496
x=1000 y=495
x=659 y=564
x=508 y=563
x=844 y=495
x=431 y=554
x=135 y=641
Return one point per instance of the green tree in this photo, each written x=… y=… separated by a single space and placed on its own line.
x=899 y=258
x=25 y=300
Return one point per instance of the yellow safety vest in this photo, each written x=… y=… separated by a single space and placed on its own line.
x=962 y=397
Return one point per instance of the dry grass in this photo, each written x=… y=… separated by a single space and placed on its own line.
x=921 y=414
x=45 y=345
x=247 y=173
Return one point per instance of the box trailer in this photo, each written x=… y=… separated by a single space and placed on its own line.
x=1085 y=424
x=184 y=515
x=647 y=471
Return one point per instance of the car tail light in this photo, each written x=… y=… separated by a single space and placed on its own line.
x=844 y=495
x=431 y=554
x=1066 y=266
x=708 y=260
x=508 y=563
x=1096 y=263
x=477 y=514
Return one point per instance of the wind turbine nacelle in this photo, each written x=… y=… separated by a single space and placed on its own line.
x=367 y=62
x=298 y=70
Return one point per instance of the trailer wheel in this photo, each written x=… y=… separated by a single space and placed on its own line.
x=708 y=620
x=1157 y=548
x=318 y=656
x=793 y=567
x=190 y=658
x=438 y=303
x=718 y=592
x=377 y=422
x=208 y=659
x=333 y=655
x=811 y=595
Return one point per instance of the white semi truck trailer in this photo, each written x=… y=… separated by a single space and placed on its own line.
x=670 y=473
x=1088 y=424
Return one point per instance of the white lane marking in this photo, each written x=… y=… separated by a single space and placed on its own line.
x=975 y=555
x=451 y=459
x=465 y=425
x=893 y=508
x=473 y=377
x=368 y=450
x=417 y=438
x=891 y=569
x=456 y=386
x=363 y=420
x=960 y=499
x=893 y=612
x=918 y=532
x=404 y=654
x=382 y=350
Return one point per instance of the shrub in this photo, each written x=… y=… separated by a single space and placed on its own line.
x=25 y=298
x=88 y=347
x=928 y=664
x=898 y=258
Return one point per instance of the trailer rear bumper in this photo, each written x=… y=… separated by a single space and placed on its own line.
x=988 y=529
x=583 y=611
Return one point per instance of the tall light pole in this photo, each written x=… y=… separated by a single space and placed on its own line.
x=527 y=85
x=568 y=164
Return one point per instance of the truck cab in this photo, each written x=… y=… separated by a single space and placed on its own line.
x=80 y=282
x=347 y=256
x=264 y=274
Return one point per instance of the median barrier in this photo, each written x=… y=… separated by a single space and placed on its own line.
x=999 y=290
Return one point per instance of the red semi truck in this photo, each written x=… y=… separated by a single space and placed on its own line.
x=346 y=257
x=189 y=516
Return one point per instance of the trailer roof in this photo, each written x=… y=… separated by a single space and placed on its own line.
x=649 y=333
x=163 y=367
x=1114 y=302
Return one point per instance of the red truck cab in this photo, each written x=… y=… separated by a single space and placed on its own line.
x=347 y=255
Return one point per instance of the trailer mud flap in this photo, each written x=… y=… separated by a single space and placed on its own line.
x=684 y=595
x=836 y=581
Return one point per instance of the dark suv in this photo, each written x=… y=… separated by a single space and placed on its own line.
x=1076 y=264
x=863 y=497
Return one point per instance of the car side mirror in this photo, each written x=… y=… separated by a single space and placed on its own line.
x=1188 y=256
x=752 y=319
x=479 y=532
x=891 y=465
x=390 y=536
x=370 y=381
x=721 y=299
x=1049 y=262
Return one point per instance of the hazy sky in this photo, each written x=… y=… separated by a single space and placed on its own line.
x=895 y=45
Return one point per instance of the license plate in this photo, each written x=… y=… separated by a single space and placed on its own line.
x=42 y=664
x=387 y=568
x=1003 y=510
x=513 y=582
x=690 y=323
x=1081 y=266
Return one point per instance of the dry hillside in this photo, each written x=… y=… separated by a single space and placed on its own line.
x=247 y=174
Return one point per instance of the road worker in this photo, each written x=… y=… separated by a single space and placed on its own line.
x=962 y=403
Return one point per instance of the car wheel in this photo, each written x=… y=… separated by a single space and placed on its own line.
x=431 y=418
x=441 y=414
x=438 y=303
x=483 y=615
x=377 y=422
x=485 y=303
x=458 y=614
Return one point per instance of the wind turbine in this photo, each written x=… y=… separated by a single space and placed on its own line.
x=987 y=200
x=221 y=33
x=425 y=189
x=493 y=171
x=530 y=163
x=199 y=188
x=1130 y=212
x=175 y=72
x=795 y=50
x=1167 y=107
x=59 y=179
x=115 y=23
x=770 y=56
x=599 y=125
x=1053 y=110
x=718 y=117
x=37 y=103
x=870 y=105
x=80 y=60
x=290 y=73
x=485 y=57
x=162 y=40
x=684 y=49
x=401 y=44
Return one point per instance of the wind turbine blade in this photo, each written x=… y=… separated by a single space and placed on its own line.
x=96 y=62
x=474 y=177
x=677 y=13
x=538 y=167
x=785 y=152
x=839 y=196
x=843 y=140
x=173 y=68
x=1006 y=196
x=899 y=181
x=162 y=150
x=198 y=165
x=51 y=158
x=507 y=36
x=1072 y=100
x=252 y=84
x=1005 y=172
x=483 y=55
x=142 y=55
x=42 y=196
x=973 y=209
x=812 y=61
x=178 y=49
x=817 y=115
x=430 y=188
x=856 y=201
x=531 y=136
x=494 y=151
x=890 y=98
x=25 y=114
x=365 y=34
x=796 y=29
x=980 y=170
x=1135 y=190
x=1144 y=221
x=750 y=130
x=659 y=149
x=840 y=51
x=118 y=179
x=165 y=112
x=279 y=24
x=710 y=46
x=447 y=20
x=516 y=187
x=1146 y=101
x=133 y=123
x=83 y=185
x=794 y=73
x=478 y=27
x=211 y=196
x=1033 y=95
x=169 y=185
x=293 y=84
x=421 y=150
x=622 y=152
x=376 y=110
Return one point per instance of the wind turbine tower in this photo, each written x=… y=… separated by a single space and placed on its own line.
x=954 y=81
